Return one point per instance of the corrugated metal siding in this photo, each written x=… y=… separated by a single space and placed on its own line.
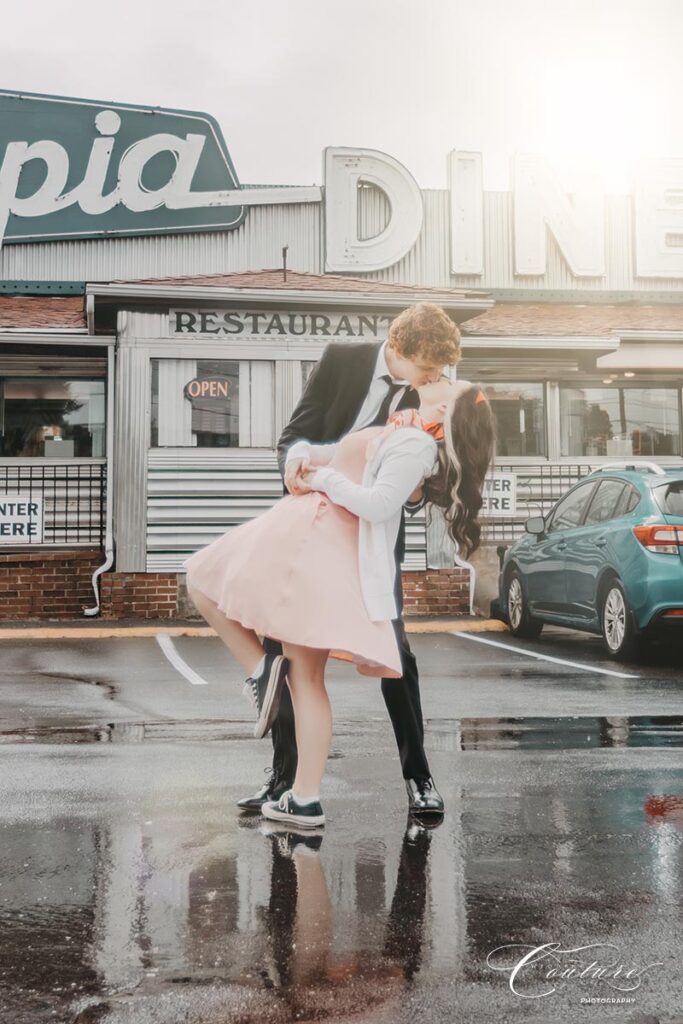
x=258 y=242
x=428 y=262
x=192 y=498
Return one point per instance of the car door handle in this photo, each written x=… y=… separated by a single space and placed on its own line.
x=562 y=546
x=601 y=542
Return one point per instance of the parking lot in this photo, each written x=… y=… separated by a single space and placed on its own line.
x=144 y=896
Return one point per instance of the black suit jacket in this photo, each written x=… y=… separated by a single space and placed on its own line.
x=334 y=394
x=332 y=399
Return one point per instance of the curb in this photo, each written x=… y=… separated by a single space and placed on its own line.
x=110 y=632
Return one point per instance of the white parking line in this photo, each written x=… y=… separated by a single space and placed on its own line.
x=545 y=657
x=168 y=647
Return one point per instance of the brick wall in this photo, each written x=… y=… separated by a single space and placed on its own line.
x=43 y=584
x=441 y=592
x=57 y=585
x=143 y=595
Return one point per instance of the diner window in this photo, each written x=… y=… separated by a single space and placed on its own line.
x=615 y=421
x=52 y=418
x=212 y=403
x=519 y=410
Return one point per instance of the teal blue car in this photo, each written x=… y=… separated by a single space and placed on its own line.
x=607 y=559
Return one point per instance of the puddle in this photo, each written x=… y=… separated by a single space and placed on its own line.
x=560 y=733
x=523 y=733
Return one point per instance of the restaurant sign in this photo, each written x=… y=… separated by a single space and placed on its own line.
x=73 y=168
x=240 y=323
x=79 y=169
x=21 y=519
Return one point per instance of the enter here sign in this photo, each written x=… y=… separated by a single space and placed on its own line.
x=500 y=495
x=21 y=519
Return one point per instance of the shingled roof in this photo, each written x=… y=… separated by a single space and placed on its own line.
x=298 y=280
x=33 y=312
x=515 y=319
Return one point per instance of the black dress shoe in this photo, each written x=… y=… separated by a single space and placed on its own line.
x=423 y=797
x=270 y=790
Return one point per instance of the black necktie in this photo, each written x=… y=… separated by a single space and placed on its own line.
x=383 y=411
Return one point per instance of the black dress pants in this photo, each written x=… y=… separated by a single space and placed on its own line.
x=401 y=696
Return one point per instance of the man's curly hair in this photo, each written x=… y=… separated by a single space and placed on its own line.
x=426 y=331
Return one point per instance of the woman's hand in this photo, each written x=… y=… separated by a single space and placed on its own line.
x=303 y=485
x=295 y=476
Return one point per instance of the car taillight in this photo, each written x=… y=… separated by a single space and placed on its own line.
x=665 y=540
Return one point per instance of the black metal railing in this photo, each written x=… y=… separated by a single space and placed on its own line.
x=539 y=486
x=73 y=497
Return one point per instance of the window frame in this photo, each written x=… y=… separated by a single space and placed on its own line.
x=545 y=455
x=89 y=378
x=588 y=383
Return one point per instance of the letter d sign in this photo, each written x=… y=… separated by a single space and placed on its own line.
x=345 y=169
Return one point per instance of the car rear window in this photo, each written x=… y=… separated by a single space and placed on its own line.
x=628 y=501
x=605 y=502
x=670 y=498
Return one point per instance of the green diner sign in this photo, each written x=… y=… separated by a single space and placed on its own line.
x=72 y=168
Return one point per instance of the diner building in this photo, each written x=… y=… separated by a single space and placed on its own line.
x=145 y=378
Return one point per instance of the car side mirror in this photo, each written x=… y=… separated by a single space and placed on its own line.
x=535 y=526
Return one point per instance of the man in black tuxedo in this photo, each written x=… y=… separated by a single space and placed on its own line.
x=357 y=385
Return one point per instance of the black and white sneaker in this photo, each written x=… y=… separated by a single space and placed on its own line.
x=265 y=692
x=289 y=810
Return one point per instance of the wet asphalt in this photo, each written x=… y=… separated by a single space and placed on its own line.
x=133 y=892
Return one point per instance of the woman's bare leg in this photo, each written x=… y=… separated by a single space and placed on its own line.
x=312 y=716
x=244 y=643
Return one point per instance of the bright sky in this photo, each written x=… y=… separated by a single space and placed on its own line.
x=592 y=84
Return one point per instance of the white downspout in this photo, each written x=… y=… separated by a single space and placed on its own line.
x=109 y=513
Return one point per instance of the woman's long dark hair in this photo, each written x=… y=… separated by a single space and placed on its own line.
x=464 y=459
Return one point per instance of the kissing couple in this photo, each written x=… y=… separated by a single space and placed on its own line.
x=378 y=429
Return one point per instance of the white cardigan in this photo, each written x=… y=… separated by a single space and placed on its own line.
x=402 y=461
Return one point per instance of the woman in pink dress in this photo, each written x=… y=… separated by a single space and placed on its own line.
x=317 y=569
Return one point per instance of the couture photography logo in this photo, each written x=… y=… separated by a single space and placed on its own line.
x=598 y=972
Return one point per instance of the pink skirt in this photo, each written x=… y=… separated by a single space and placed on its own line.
x=292 y=574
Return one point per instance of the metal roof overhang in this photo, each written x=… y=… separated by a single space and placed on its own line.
x=47 y=336
x=543 y=343
x=644 y=355
x=464 y=305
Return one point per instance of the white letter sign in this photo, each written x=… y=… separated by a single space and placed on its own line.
x=577 y=223
x=659 y=219
x=345 y=169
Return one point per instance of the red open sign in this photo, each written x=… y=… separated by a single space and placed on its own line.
x=207 y=387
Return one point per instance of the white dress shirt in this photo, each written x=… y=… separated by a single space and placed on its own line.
x=402 y=461
x=377 y=392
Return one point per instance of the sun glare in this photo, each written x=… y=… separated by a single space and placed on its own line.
x=599 y=122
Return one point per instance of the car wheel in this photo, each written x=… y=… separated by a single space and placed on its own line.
x=618 y=631
x=520 y=621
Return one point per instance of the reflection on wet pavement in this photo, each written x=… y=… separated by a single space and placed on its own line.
x=131 y=892
x=509 y=733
